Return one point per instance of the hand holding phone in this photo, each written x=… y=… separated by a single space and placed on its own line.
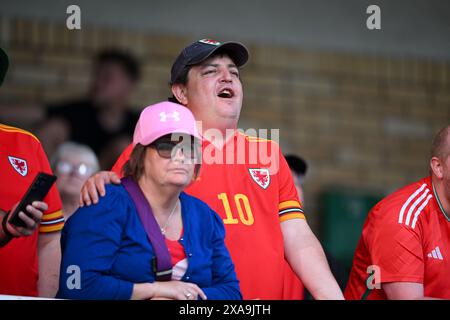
x=36 y=192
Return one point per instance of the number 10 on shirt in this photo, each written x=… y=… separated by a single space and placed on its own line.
x=242 y=204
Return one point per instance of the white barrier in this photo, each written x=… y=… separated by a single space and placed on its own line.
x=8 y=297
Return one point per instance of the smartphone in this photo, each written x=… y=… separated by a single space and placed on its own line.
x=36 y=192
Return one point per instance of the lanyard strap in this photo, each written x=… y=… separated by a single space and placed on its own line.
x=162 y=263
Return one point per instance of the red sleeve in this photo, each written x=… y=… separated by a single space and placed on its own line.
x=117 y=168
x=53 y=219
x=394 y=247
x=289 y=206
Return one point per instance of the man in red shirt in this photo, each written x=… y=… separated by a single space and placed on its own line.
x=29 y=260
x=257 y=200
x=404 y=249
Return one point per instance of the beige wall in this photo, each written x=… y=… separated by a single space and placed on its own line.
x=360 y=121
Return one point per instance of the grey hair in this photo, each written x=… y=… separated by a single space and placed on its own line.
x=76 y=148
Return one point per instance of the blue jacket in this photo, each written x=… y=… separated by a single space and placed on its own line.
x=108 y=244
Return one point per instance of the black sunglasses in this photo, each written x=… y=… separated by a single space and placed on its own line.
x=167 y=148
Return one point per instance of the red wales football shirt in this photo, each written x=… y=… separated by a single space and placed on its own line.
x=406 y=238
x=21 y=158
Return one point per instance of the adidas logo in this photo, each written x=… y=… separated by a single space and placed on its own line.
x=435 y=254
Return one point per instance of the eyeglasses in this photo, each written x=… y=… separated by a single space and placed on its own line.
x=82 y=169
x=168 y=149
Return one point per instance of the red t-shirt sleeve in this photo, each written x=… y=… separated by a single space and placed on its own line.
x=53 y=219
x=289 y=206
x=117 y=168
x=394 y=247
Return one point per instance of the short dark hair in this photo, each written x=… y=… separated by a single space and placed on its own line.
x=183 y=76
x=297 y=164
x=4 y=62
x=440 y=147
x=182 y=79
x=128 y=62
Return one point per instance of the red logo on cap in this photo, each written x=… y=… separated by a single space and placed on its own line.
x=209 y=41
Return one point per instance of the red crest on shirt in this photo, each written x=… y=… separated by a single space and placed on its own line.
x=19 y=165
x=261 y=177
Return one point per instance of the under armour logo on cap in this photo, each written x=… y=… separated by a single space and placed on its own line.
x=163 y=116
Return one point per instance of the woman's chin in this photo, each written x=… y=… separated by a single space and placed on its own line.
x=180 y=182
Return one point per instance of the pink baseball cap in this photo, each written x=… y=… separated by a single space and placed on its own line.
x=163 y=118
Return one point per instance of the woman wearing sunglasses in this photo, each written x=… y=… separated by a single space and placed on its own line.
x=113 y=250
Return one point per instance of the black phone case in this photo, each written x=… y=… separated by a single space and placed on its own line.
x=36 y=192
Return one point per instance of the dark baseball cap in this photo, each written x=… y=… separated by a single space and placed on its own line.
x=4 y=62
x=202 y=49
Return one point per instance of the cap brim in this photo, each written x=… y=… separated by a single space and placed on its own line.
x=237 y=52
x=165 y=132
x=4 y=63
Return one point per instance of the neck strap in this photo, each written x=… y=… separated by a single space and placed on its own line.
x=162 y=263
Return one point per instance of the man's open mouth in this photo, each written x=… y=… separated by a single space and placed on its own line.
x=226 y=93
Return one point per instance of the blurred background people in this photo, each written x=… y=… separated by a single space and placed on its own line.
x=103 y=120
x=298 y=168
x=72 y=163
